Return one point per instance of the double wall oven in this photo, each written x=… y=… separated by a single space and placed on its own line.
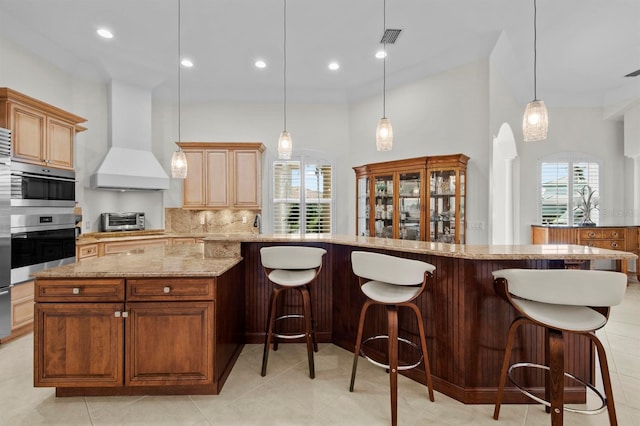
x=42 y=219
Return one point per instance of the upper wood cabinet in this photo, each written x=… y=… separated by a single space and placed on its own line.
x=41 y=133
x=223 y=175
x=415 y=199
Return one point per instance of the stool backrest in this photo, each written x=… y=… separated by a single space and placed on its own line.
x=291 y=257
x=389 y=269
x=566 y=286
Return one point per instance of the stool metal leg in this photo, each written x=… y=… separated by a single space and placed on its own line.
x=505 y=363
x=313 y=320
x=306 y=300
x=392 y=325
x=356 y=351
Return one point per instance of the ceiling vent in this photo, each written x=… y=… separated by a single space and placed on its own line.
x=633 y=74
x=390 y=36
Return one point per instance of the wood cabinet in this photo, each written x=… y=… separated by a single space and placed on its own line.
x=22 y=307
x=222 y=175
x=420 y=198
x=125 y=333
x=41 y=133
x=624 y=238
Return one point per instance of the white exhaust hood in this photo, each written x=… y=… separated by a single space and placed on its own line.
x=129 y=163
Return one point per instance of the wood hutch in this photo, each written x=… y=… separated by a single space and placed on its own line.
x=397 y=199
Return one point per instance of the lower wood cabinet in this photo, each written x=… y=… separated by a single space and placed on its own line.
x=126 y=334
x=21 y=310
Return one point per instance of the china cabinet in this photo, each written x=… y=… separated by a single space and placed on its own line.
x=414 y=199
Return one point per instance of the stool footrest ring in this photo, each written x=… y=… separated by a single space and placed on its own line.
x=386 y=366
x=547 y=403
x=289 y=336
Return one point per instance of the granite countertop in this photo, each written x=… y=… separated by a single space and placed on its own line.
x=186 y=260
x=463 y=251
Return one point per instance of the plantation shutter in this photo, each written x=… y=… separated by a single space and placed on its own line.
x=286 y=197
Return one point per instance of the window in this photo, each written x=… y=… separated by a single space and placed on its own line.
x=302 y=196
x=570 y=190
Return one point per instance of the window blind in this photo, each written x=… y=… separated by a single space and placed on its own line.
x=302 y=196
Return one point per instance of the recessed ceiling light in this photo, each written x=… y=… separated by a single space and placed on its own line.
x=334 y=66
x=381 y=54
x=187 y=63
x=104 y=33
x=260 y=64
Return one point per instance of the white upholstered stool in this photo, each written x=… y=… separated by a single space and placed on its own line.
x=393 y=282
x=291 y=268
x=562 y=301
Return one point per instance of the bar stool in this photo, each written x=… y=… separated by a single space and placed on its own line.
x=562 y=301
x=291 y=268
x=392 y=282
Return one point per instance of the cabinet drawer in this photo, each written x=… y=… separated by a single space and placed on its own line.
x=606 y=244
x=613 y=233
x=590 y=234
x=170 y=289
x=65 y=290
x=87 y=251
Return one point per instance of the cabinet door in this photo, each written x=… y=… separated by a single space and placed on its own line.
x=28 y=133
x=59 y=149
x=217 y=177
x=193 y=186
x=362 y=207
x=247 y=175
x=22 y=305
x=410 y=206
x=383 y=208
x=169 y=343
x=78 y=344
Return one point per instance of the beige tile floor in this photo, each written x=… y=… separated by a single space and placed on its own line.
x=286 y=396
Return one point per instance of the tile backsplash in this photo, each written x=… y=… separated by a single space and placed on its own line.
x=185 y=221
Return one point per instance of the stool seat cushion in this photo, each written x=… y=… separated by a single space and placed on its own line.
x=562 y=317
x=389 y=293
x=292 y=278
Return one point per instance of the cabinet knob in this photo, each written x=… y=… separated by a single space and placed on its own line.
x=614 y=245
x=125 y=314
x=167 y=290
x=614 y=235
x=592 y=234
x=117 y=314
x=75 y=290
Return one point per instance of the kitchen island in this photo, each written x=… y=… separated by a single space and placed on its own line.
x=466 y=322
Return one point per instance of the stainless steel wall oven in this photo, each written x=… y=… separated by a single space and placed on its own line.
x=41 y=240
x=37 y=186
x=5 y=233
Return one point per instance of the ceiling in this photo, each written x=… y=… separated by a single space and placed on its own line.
x=585 y=47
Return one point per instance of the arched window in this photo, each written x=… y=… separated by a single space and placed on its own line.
x=302 y=198
x=569 y=189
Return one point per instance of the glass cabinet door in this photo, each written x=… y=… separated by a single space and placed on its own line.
x=442 y=204
x=409 y=205
x=462 y=226
x=383 y=207
x=363 y=207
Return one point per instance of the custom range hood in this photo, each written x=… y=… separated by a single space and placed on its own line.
x=129 y=163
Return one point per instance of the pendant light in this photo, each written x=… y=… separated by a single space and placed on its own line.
x=178 y=159
x=384 y=131
x=535 y=123
x=285 y=145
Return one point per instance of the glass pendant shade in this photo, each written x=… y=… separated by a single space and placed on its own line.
x=384 y=135
x=179 y=165
x=535 y=123
x=284 y=146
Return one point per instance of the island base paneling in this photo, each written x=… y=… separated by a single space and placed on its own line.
x=466 y=326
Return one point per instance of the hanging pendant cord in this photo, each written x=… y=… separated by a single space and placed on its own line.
x=384 y=60
x=179 y=72
x=284 y=49
x=535 y=51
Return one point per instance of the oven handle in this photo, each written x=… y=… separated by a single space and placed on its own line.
x=2 y=293
x=22 y=231
x=47 y=177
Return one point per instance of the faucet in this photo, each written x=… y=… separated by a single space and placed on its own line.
x=257 y=223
